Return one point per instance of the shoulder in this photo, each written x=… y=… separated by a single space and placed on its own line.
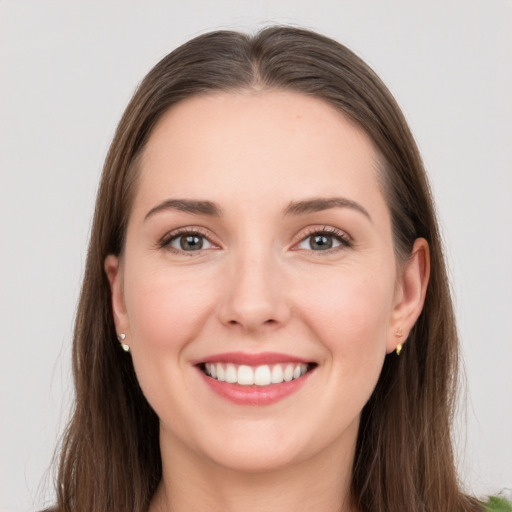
x=496 y=504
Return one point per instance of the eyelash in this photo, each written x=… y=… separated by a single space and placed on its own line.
x=344 y=240
x=167 y=239
x=331 y=232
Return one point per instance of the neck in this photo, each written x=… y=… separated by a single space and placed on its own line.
x=321 y=482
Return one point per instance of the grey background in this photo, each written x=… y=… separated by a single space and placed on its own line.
x=68 y=70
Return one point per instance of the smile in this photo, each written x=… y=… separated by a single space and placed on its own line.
x=262 y=375
x=255 y=379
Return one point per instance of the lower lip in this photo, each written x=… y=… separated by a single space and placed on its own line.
x=255 y=395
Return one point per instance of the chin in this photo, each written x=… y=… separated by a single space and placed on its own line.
x=255 y=459
x=262 y=447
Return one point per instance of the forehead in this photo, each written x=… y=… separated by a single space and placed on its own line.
x=252 y=145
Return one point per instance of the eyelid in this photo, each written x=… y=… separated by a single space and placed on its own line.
x=164 y=241
x=342 y=236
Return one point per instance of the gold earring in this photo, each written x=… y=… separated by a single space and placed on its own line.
x=398 y=334
x=121 y=337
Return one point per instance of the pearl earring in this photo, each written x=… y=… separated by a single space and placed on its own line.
x=121 y=337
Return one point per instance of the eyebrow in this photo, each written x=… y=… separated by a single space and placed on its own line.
x=186 y=205
x=320 y=204
x=294 y=208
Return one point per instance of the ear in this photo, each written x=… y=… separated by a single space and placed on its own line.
x=410 y=294
x=113 y=269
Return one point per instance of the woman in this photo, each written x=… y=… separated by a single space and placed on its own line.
x=265 y=320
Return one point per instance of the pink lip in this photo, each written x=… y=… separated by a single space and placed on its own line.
x=255 y=395
x=252 y=359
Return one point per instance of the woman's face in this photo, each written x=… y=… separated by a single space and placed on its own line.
x=258 y=289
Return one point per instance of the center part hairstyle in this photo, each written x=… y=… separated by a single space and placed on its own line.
x=110 y=458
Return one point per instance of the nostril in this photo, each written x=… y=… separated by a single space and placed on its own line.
x=270 y=321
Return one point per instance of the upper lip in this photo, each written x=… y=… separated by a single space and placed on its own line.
x=249 y=359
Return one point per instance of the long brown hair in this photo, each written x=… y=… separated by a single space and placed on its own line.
x=110 y=458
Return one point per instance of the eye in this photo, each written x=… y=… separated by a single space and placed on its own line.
x=187 y=241
x=324 y=240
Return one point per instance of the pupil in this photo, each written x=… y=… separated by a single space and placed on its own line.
x=191 y=242
x=321 y=242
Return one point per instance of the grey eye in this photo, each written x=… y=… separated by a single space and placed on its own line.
x=323 y=240
x=320 y=242
x=190 y=242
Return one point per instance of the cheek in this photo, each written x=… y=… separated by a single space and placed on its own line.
x=350 y=317
x=164 y=307
x=347 y=314
x=166 y=311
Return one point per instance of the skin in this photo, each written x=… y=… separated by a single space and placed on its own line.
x=259 y=285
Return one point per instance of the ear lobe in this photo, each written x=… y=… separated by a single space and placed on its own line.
x=113 y=269
x=410 y=294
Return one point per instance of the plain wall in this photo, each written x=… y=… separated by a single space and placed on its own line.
x=69 y=68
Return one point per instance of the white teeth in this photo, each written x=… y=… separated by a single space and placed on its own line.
x=263 y=375
x=277 y=374
x=288 y=373
x=245 y=375
x=231 y=375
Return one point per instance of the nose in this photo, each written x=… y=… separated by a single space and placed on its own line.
x=254 y=295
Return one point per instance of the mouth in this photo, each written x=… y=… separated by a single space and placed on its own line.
x=262 y=375
x=255 y=379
